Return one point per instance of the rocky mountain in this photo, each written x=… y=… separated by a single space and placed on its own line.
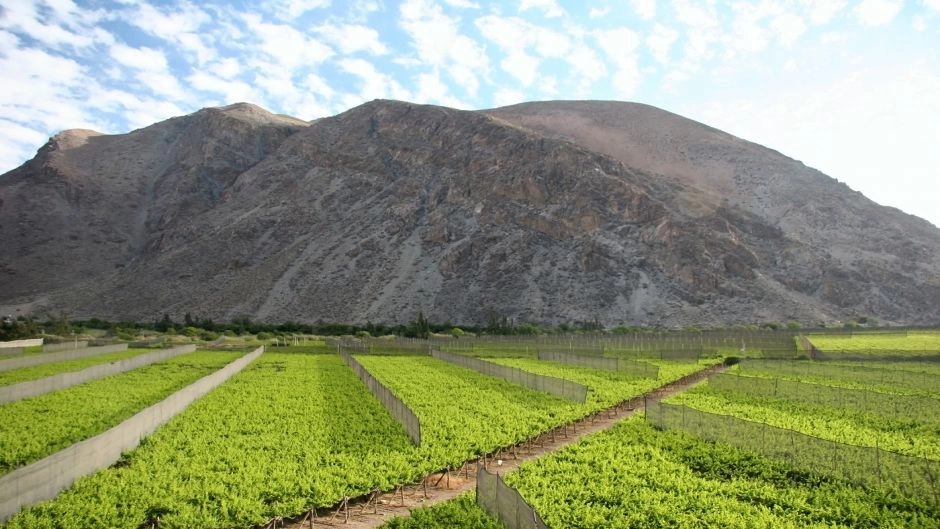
x=544 y=212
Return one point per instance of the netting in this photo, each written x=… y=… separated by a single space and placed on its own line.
x=920 y=408
x=555 y=386
x=853 y=373
x=623 y=365
x=399 y=410
x=504 y=503
x=870 y=466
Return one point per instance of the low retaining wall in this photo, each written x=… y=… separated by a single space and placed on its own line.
x=35 y=388
x=39 y=359
x=22 y=343
x=46 y=478
x=64 y=346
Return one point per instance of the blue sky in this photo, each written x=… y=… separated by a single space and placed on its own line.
x=851 y=87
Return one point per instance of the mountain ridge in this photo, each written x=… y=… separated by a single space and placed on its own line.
x=545 y=212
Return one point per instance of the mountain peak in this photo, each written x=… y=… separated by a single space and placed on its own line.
x=545 y=212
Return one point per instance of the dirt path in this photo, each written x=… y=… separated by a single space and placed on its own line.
x=372 y=511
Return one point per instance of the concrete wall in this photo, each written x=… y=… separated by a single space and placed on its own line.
x=22 y=343
x=46 y=358
x=34 y=388
x=64 y=346
x=44 y=479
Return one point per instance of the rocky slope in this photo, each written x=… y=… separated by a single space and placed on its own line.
x=544 y=212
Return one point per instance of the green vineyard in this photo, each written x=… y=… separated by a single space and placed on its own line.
x=297 y=433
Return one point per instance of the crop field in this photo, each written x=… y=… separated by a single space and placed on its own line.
x=33 y=428
x=26 y=374
x=607 y=388
x=911 y=343
x=847 y=421
x=289 y=432
x=907 y=378
x=637 y=476
x=297 y=429
x=465 y=414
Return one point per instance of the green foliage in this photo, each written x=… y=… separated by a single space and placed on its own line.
x=19 y=328
x=25 y=374
x=34 y=428
x=834 y=423
x=606 y=388
x=289 y=432
x=461 y=512
x=879 y=343
x=636 y=476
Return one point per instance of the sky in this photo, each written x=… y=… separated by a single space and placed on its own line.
x=850 y=87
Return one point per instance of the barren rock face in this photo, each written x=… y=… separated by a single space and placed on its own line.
x=544 y=212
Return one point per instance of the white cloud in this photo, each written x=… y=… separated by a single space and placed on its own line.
x=432 y=90
x=660 y=42
x=933 y=5
x=646 y=9
x=877 y=12
x=506 y=96
x=548 y=85
x=462 y=4
x=514 y=34
x=703 y=29
x=374 y=84
x=522 y=66
x=285 y=45
x=549 y=8
x=17 y=143
x=291 y=9
x=232 y=91
x=146 y=59
x=316 y=84
x=226 y=68
x=168 y=25
x=438 y=42
x=788 y=28
x=621 y=45
x=352 y=38
x=61 y=24
x=586 y=66
x=599 y=12
x=823 y=11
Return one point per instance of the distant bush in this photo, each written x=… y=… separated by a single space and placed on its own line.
x=732 y=360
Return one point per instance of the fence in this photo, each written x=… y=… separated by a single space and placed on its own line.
x=919 y=408
x=399 y=410
x=46 y=358
x=64 y=346
x=44 y=479
x=854 y=373
x=556 y=386
x=35 y=388
x=504 y=503
x=913 y=476
x=623 y=365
